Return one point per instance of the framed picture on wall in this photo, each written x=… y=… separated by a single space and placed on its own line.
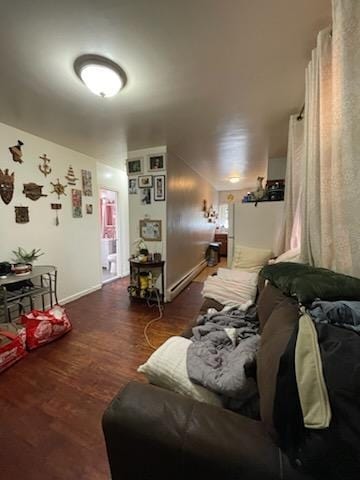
x=132 y=186
x=145 y=196
x=76 y=203
x=134 y=166
x=159 y=190
x=150 y=230
x=156 y=162
x=145 y=181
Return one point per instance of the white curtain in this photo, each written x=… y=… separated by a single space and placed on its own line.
x=330 y=201
x=290 y=235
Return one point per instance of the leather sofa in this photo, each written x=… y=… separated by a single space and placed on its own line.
x=152 y=433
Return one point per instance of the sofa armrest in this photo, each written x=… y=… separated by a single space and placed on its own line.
x=152 y=433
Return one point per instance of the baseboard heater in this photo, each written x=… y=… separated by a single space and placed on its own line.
x=177 y=287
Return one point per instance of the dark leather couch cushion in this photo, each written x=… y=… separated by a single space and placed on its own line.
x=274 y=338
x=270 y=297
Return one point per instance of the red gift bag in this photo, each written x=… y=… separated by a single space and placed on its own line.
x=12 y=345
x=44 y=327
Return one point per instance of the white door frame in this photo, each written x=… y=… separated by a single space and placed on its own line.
x=118 y=255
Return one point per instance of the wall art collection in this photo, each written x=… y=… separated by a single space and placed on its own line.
x=34 y=191
x=146 y=184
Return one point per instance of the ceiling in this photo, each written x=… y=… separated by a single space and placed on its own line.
x=214 y=80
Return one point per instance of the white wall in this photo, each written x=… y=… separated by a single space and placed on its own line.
x=237 y=194
x=188 y=232
x=276 y=168
x=74 y=245
x=116 y=180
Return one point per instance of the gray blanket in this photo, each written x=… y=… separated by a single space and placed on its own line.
x=223 y=343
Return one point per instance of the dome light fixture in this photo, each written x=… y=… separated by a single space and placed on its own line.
x=102 y=76
x=234 y=179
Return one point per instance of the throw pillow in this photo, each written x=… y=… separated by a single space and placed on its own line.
x=288 y=256
x=250 y=259
x=167 y=368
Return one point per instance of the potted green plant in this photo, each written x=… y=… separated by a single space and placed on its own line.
x=23 y=260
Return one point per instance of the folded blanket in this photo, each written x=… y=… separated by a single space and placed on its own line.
x=223 y=344
x=231 y=287
x=341 y=313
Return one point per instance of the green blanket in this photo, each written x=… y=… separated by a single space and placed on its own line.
x=308 y=283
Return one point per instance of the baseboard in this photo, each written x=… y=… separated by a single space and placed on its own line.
x=71 y=298
x=177 y=287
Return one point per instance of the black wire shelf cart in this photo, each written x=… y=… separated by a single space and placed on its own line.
x=18 y=292
x=144 y=278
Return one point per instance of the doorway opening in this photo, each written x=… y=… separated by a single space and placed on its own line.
x=109 y=235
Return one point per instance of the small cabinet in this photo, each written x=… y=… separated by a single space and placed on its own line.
x=223 y=239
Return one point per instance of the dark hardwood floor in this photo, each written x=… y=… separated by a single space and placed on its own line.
x=52 y=401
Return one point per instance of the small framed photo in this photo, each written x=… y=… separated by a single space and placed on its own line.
x=150 y=230
x=89 y=209
x=145 y=181
x=134 y=166
x=156 y=162
x=145 y=196
x=159 y=191
x=132 y=186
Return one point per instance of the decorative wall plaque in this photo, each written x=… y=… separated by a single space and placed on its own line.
x=16 y=152
x=56 y=207
x=86 y=183
x=6 y=186
x=58 y=188
x=45 y=167
x=22 y=214
x=76 y=201
x=33 y=191
x=70 y=177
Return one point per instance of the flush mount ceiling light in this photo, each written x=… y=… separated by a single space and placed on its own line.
x=102 y=76
x=234 y=179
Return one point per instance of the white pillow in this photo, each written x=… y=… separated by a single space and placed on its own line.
x=167 y=368
x=231 y=287
x=289 y=256
x=238 y=275
x=250 y=259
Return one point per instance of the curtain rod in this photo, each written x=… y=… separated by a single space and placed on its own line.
x=301 y=114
